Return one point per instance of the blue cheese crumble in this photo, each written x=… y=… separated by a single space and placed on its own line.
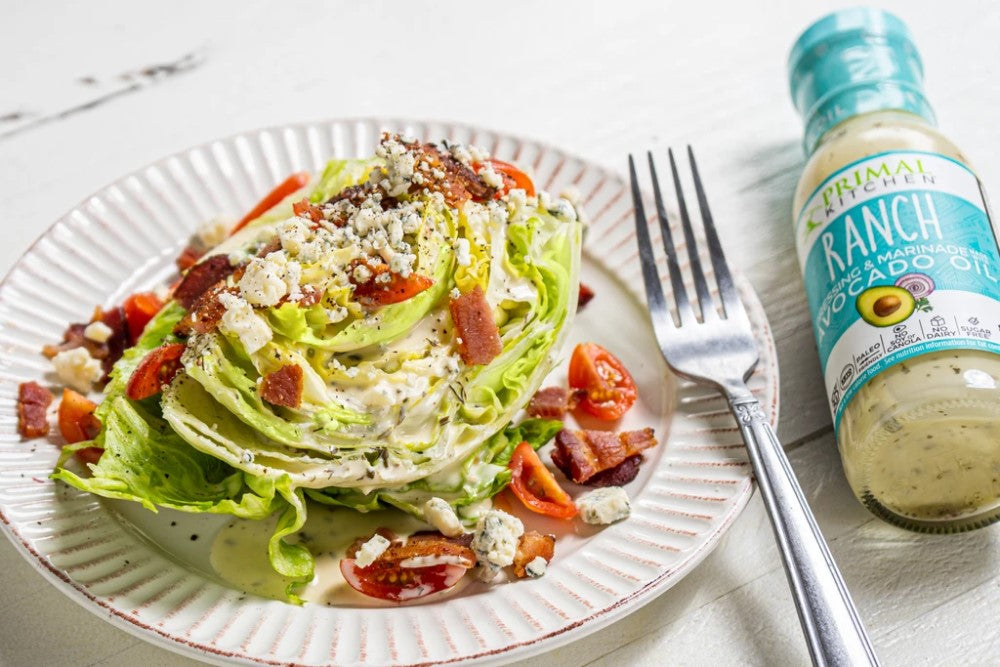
x=98 y=331
x=241 y=321
x=78 y=369
x=495 y=542
x=371 y=550
x=536 y=567
x=604 y=506
x=439 y=514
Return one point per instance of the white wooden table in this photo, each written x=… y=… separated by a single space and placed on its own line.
x=89 y=91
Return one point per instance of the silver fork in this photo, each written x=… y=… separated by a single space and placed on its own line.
x=716 y=347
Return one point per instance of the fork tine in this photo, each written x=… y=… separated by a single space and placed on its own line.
x=658 y=311
x=705 y=303
x=730 y=300
x=684 y=312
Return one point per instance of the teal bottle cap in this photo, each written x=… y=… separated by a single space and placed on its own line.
x=852 y=62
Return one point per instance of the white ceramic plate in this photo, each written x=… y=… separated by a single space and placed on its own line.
x=144 y=572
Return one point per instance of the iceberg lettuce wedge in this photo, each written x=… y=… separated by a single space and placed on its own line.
x=387 y=414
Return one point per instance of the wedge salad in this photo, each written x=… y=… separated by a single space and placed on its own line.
x=362 y=339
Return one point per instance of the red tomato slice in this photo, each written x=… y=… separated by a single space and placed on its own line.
x=512 y=176
x=76 y=417
x=610 y=390
x=155 y=370
x=535 y=486
x=374 y=293
x=389 y=581
x=139 y=310
x=274 y=197
x=78 y=423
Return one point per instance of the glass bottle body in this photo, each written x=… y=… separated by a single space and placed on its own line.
x=920 y=441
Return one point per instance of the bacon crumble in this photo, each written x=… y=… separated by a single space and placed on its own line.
x=424 y=544
x=457 y=184
x=205 y=313
x=533 y=545
x=33 y=401
x=583 y=454
x=477 y=332
x=553 y=402
x=200 y=278
x=283 y=386
x=620 y=475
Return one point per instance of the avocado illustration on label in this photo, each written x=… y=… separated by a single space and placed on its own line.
x=885 y=305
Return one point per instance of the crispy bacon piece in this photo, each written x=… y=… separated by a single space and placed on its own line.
x=425 y=544
x=553 y=402
x=200 y=278
x=33 y=400
x=477 y=332
x=459 y=184
x=205 y=314
x=108 y=352
x=586 y=294
x=72 y=338
x=532 y=545
x=283 y=386
x=620 y=475
x=188 y=258
x=115 y=345
x=310 y=296
x=583 y=454
x=355 y=194
x=441 y=172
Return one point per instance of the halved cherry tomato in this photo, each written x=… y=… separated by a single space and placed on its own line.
x=511 y=175
x=535 y=486
x=391 y=578
x=76 y=417
x=375 y=293
x=282 y=190
x=155 y=370
x=610 y=390
x=391 y=582
x=78 y=423
x=139 y=310
x=304 y=209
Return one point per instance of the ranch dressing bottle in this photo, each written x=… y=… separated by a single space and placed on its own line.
x=901 y=266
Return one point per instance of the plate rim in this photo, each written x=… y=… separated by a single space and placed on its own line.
x=595 y=620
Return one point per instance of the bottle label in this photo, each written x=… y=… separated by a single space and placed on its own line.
x=900 y=258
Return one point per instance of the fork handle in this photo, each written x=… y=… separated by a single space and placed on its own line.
x=829 y=619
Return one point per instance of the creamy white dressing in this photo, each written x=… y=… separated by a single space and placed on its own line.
x=920 y=441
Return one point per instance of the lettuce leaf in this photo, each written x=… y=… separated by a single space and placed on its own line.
x=480 y=476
